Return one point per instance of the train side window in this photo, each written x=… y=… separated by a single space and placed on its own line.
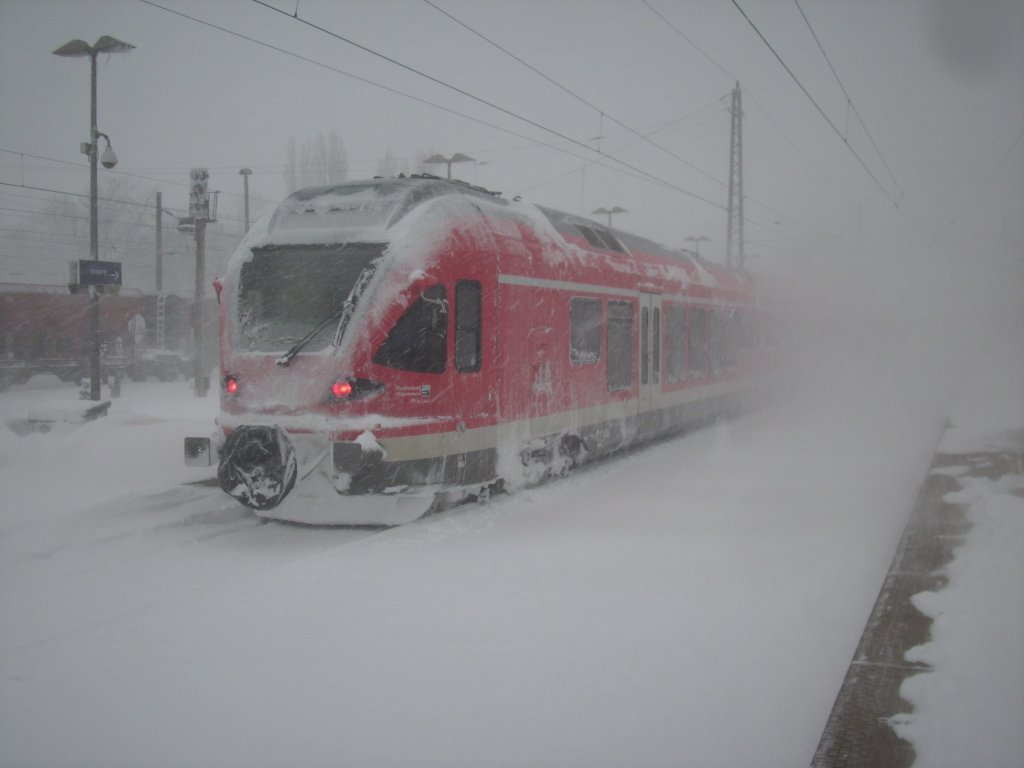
x=468 y=325
x=675 y=345
x=584 y=330
x=591 y=236
x=698 y=341
x=620 y=345
x=645 y=323
x=656 y=345
x=650 y=345
x=419 y=340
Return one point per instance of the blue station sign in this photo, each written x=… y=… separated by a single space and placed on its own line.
x=92 y=272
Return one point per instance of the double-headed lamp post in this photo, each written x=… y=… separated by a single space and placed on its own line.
x=610 y=212
x=458 y=157
x=696 y=242
x=105 y=44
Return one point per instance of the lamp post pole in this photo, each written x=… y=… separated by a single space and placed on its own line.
x=245 y=172
x=94 y=240
x=105 y=44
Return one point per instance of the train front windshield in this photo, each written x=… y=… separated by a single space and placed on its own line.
x=285 y=292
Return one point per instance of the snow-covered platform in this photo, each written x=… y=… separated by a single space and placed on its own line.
x=870 y=715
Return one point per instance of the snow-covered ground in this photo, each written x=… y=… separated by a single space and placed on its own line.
x=975 y=688
x=693 y=603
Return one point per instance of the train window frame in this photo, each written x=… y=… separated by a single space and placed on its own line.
x=468 y=325
x=397 y=353
x=585 y=335
x=620 y=346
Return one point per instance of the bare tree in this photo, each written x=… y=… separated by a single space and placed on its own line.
x=320 y=160
x=388 y=165
x=422 y=167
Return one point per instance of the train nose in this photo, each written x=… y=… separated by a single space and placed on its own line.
x=258 y=466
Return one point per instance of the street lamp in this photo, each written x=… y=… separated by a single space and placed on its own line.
x=458 y=157
x=696 y=242
x=246 y=173
x=105 y=44
x=610 y=211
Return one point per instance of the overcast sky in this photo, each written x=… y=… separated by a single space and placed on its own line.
x=939 y=85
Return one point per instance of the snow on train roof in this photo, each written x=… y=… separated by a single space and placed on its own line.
x=356 y=211
x=367 y=211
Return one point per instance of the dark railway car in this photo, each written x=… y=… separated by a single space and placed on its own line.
x=45 y=329
x=395 y=344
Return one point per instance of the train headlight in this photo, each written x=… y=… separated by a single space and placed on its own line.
x=341 y=389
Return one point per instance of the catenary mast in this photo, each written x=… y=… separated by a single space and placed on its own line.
x=734 y=256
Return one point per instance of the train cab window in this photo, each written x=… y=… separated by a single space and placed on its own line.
x=584 y=330
x=620 y=345
x=467 y=325
x=419 y=340
x=675 y=343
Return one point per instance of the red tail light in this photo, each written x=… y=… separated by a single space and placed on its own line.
x=353 y=388
x=231 y=385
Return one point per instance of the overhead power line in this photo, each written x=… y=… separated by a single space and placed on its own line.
x=481 y=100
x=816 y=105
x=749 y=95
x=109 y=200
x=566 y=89
x=977 y=190
x=434 y=105
x=128 y=174
x=849 y=101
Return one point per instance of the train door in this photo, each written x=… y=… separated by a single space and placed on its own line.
x=650 y=350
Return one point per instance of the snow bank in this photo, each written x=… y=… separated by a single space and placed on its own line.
x=969 y=709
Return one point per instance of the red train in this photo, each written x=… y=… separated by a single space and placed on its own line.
x=394 y=344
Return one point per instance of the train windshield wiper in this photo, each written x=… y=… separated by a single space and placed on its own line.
x=342 y=314
x=286 y=358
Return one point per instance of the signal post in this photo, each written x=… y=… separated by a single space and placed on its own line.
x=200 y=214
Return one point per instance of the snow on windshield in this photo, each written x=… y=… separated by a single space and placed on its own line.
x=286 y=292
